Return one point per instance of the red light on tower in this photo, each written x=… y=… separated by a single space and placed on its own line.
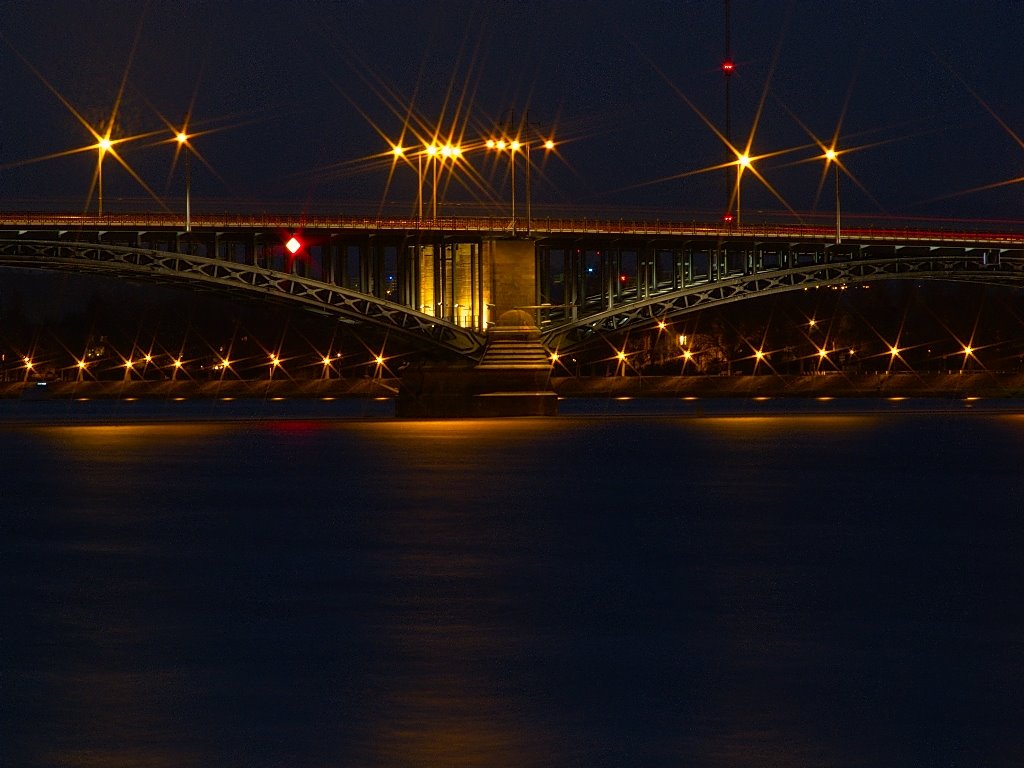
x=727 y=218
x=728 y=66
x=293 y=245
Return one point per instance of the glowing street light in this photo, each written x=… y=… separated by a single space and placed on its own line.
x=894 y=355
x=399 y=152
x=182 y=139
x=968 y=353
x=437 y=153
x=831 y=156
x=548 y=145
x=513 y=146
x=102 y=146
x=742 y=162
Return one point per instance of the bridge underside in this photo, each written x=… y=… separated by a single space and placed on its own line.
x=444 y=291
x=590 y=292
x=248 y=281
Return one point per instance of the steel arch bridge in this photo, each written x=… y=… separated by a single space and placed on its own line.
x=247 y=280
x=987 y=267
x=582 y=279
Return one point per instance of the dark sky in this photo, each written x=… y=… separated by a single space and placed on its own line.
x=297 y=97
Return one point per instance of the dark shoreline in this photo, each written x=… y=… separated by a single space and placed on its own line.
x=839 y=385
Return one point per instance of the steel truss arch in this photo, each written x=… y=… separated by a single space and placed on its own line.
x=146 y=265
x=572 y=336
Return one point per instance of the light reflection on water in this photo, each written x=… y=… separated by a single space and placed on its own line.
x=757 y=589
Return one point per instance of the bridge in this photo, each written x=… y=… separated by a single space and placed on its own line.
x=444 y=282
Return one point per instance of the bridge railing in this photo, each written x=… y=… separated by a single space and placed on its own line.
x=496 y=225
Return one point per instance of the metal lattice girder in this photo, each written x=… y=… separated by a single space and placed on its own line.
x=961 y=267
x=240 y=279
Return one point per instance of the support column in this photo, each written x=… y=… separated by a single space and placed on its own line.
x=510 y=269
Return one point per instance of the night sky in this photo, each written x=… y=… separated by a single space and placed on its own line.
x=294 y=103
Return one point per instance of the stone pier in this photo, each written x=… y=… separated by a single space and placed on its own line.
x=513 y=378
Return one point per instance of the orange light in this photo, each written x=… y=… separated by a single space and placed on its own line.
x=182 y=137
x=549 y=144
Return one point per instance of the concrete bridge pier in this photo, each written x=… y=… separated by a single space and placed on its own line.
x=513 y=378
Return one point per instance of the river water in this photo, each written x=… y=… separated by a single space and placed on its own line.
x=626 y=584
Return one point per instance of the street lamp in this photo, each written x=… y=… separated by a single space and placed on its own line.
x=831 y=157
x=548 y=145
x=513 y=146
x=103 y=146
x=182 y=138
x=743 y=162
x=438 y=153
x=399 y=152
x=432 y=151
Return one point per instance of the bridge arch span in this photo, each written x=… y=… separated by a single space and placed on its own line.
x=936 y=265
x=238 y=280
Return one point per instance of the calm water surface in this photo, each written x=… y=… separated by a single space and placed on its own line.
x=604 y=588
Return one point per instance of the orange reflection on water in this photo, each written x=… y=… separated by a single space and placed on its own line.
x=116 y=441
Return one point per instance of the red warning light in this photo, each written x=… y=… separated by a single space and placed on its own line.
x=728 y=66
x=293 y=245
x=727 y=218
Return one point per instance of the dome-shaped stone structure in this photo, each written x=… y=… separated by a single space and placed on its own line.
x=515 y=318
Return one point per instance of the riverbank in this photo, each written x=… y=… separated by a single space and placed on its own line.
x=915 y=385
x=910 y=385
x=229 y=388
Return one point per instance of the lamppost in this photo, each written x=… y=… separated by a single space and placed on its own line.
x=182 y=138
x=399 y=152
x=438 y=154
x=513 y=146
x=831 y=156
x=548 y=145
x=102 y=146
x=742 y=163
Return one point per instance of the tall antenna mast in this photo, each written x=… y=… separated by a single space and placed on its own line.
x=727 y=69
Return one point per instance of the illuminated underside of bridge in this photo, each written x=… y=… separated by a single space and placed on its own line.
x=442 y=283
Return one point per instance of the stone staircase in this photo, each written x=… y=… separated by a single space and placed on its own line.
x=515 y=348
